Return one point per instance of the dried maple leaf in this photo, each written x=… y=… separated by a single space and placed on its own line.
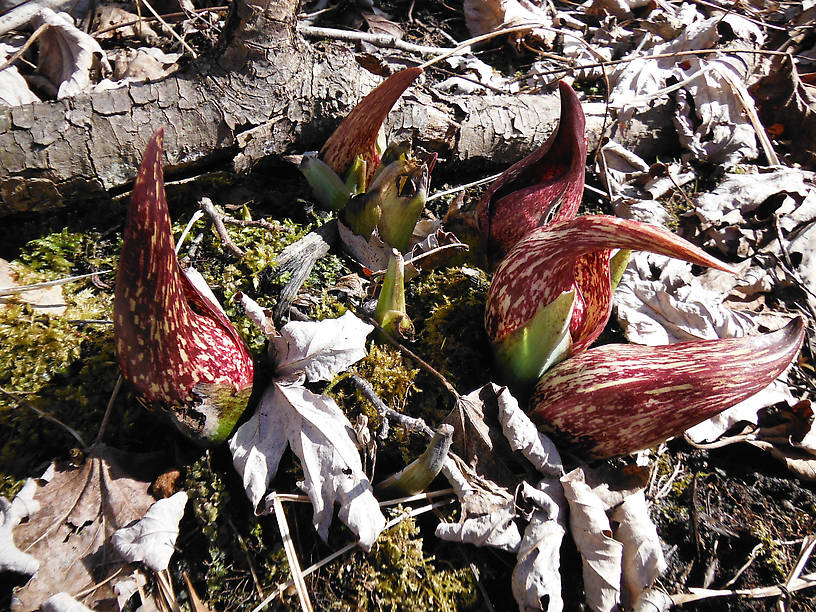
x=312 y=425
x=70 y=536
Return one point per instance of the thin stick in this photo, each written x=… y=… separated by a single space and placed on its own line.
x=291 y=556
x=379 y=40
x=44 y=285
x=97 y=585
x=804 y=556
x=213 y=9
x=442 y=194
x=754 y=552
x=750 y=109
x=45 y=416
x=410 y=423
x=477 y=39
x=248 y=558
x=109 y=409
x=420 y=362
x=254 y=223
x=345 y=549
x=173 y=33
x=291 y=497
x=19 y=53
x=626 y=60
x=696 y=594
x=217 y=218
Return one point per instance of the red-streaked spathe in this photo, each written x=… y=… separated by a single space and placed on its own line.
x=357 y=133
x=545 y=186
x=616 y=399
x=551 y=296
x=176 y=348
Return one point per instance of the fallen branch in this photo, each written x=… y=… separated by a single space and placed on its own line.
x=805 y=582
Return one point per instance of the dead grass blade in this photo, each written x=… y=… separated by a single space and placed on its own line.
x=345 y=549
x=291 y=556
x=195 y=601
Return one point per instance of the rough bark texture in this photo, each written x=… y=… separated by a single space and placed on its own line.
x=265 y=92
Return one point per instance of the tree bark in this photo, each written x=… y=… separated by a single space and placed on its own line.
x=265 y=92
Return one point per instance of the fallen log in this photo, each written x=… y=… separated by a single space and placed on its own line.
x=265 y=92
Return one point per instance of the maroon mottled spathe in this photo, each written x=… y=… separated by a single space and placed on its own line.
x=547 y=185
x=616 y=399
x=357 y=133
x=574 y=254
x=169 y=337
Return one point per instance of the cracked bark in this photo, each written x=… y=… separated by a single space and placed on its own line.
x=265 y=92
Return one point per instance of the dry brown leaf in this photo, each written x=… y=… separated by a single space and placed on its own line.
x=378 y=24
x=68 y=56
x=49 y=300
x=143 y=64
x=13 y=87
x=70 y=536
x=537 y=575
x=152 y=538
x=115 y=15
x=485 y=16
x=643 y=558
x=478 y=438
x=601 y=554
x=488 y=510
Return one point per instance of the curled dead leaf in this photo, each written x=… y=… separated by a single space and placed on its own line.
x=81 y=508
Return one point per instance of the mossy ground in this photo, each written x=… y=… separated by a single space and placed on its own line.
x=68 y=369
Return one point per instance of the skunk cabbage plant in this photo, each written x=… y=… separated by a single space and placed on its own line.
x=383 y=188
x=545 y=186
x=357 y=133
x=616 y=399
x=390 y=312
x=551 y=296
x=174 y=344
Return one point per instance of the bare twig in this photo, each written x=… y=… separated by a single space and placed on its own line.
x=411 y=423
x=379 y=40
x=419 y=361
x=427 y=496
x=171 y=31
x=182 y=14
x=248 y=558
x=254 y=223
x=805 y=582
x=19 y=53
x=44 y=285
x=806 y=551
x=754 y=552
x=674 y=54
x=108 y=409
x=452 y=190
x=217 y=218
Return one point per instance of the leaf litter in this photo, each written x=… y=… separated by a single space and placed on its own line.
x=81 y=506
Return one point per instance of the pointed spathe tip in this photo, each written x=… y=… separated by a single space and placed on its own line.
x=357 y=133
